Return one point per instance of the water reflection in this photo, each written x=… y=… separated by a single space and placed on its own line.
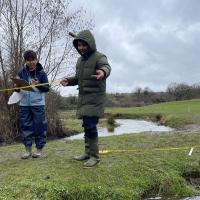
x=128 y=126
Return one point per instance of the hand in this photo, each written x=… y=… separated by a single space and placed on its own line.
x=99 y=74
x=34 y=81
x=64 y=82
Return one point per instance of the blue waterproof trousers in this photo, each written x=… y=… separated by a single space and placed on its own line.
x=90 y=126
x=33 y=125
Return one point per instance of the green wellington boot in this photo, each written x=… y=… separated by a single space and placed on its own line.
x=86 y=155
x=94 y=154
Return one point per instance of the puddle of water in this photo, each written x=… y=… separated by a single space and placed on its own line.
x=128 y=126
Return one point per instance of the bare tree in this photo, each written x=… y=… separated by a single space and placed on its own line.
x=137 y=91
x=180 y=91
x=40 y=25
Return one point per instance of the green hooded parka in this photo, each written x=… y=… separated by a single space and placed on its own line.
x=92 y=93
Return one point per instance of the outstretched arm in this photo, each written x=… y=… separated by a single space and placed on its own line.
x=71 y=81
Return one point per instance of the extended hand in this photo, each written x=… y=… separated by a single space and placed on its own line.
x=64 y=82
x=99 y=74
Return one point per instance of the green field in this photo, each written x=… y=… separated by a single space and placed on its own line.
x=174 y=114
x=175 y=107
x=154 y=169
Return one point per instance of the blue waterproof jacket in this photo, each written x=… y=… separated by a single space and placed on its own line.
x=36 y=97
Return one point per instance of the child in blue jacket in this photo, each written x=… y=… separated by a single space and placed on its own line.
x=33 y=123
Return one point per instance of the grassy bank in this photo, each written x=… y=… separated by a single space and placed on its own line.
x=118 y=176
x=174 y=114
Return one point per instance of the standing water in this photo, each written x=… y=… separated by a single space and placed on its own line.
x=128 y=126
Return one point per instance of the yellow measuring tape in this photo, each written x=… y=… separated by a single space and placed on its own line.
x=29 y=86
x=23 y=87
x=103 y=152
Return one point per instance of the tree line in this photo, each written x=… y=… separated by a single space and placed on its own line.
x=141 y=97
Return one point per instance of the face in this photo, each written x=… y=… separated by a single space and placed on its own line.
x=31 y=64
x=82 y=47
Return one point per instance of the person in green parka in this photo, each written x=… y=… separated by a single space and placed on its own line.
x=92 y=70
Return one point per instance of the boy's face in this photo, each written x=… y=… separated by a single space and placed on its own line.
x=82 y=47
x=31 y=64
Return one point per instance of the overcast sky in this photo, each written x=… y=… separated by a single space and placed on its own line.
x=149 y=43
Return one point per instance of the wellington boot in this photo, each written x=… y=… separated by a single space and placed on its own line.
x=94 y=148
x=94 y=154
x=81 y=157
x=86 y=155
x=91 y=162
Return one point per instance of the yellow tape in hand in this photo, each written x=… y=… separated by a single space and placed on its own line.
x=29 y=86
x=23 y=87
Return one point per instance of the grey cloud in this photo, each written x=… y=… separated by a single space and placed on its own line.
x=148 y=42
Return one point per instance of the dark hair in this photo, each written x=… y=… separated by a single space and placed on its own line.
x=30 y=55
